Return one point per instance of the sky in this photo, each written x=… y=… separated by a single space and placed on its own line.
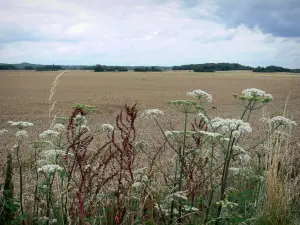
x=150 y=32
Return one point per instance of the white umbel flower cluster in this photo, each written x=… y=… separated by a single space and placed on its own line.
x=21 y=134
x=53 y=153
x=107 y=127
x=85 y=128
x=178 y=136
x=228 y=125
x=152 y=113
x=199 y=94
x=49 y=134
x=209 y=134
x=254 y=93
x=179 y=195
x=202 y=116
x=50 y=168
x=80 y=120
x=280 y=120
x=20 y=124
x=59 y=127
x=188 y=208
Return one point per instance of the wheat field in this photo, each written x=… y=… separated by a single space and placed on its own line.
x=24 y=95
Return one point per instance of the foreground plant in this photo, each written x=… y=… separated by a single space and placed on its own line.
x=209 y=171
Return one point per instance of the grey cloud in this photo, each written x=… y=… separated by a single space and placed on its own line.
x=277 y=17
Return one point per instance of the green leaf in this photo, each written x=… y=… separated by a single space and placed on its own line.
x=84 y=107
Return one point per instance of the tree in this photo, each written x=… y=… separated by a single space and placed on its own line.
x=29 y=68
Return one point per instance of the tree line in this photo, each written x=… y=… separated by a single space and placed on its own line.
x=211 y=67
x=271 y=69
x=103 y=68
x=148 y=69
x=205 y=67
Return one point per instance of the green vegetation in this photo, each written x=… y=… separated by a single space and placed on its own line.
x=103 y=68
x=148 y=69
x=273 y=69
x=7 y=67
x=29 y=68
x=211 y=67
x=49 y=68
x=205 y=67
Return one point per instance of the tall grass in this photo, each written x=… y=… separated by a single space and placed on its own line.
x=212 y=171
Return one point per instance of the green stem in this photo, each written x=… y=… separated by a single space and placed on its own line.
x=225 y=173
x=20 y=177
x=246 y=108
x=182 y=160
x=36 y=187
x=211 y=183
x=162 y=131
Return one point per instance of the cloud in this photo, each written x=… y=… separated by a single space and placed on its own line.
x=138 y=32
x=278 y=17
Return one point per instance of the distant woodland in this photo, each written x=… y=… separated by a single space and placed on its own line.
x=205 y=67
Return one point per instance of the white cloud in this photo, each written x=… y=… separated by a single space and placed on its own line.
x=133 y=32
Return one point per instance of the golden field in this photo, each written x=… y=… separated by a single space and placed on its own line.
x=24 y=94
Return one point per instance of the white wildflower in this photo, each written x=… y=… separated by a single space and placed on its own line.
x=225 y=129
x=280 y=120
x=21 y=134
x=51 y=168
x=107 y=127
x=20 y=124
x=59 y=127
x=269 y=96
x=236 y=134
x=80 y=119
x=210 y=134
x=225 y=139
x=231 y=125
x=188 y=208
x=152 y=113
x=254 y=93
x=49 y=134
x=85 y=128
x=51 y=155
x=3 y=131
x=199 y=94
x=206 y=120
